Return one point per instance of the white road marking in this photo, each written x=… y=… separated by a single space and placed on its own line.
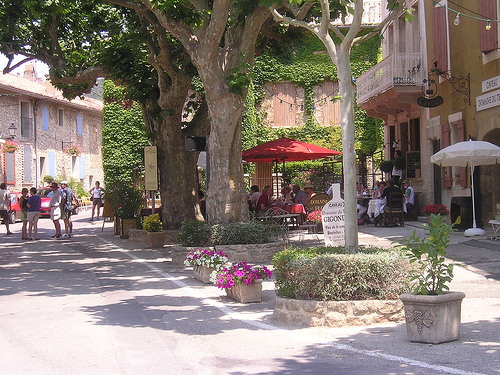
x=241 y=317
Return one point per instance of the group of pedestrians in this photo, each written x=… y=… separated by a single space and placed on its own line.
x=61 y=207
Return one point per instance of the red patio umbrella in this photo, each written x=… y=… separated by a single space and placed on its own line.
x=285 y=149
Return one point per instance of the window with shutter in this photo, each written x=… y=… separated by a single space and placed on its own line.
x=439 y=37
x=284 y=104
x=445 y=140
x=489 y=38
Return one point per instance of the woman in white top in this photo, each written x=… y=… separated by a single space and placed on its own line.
x=96 y=196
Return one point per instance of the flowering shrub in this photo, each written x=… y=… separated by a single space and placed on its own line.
x=10 y=146
x=314 y=216
x=435 y=209
x=208 y=258
x=238 y=273
x=309 y=177
x=74 y=150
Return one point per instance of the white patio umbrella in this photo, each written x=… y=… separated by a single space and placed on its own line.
x=468 y=153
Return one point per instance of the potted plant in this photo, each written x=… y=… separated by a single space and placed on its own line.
x=241 y=281
x=204 y=262
x=73 y=150
x=154 y=231
x=386 y=166
x=126 y=203
x=10 y=146
x=434 y=209
x=432 y=312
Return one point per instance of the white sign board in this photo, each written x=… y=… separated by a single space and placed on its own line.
x=150 y=168
x=489 y=100
x=491 y=84
x=333 y=219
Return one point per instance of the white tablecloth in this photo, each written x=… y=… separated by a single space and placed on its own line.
x=374 y=207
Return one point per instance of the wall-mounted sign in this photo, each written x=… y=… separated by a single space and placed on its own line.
x=430 y=103
x=150 y=168
x=489 y=100
x=491 y=84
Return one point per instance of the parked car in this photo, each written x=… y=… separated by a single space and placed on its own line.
x=44 y=194
x=15 y=209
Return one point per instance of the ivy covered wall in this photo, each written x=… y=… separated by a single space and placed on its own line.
x=124 y=136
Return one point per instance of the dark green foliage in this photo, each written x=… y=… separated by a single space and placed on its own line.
x=125 y=200
x=327 y=274
x=198 y=233
x=386 y=166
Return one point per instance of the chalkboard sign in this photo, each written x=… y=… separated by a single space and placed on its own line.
x=413 y=164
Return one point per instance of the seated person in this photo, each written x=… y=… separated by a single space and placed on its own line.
x=253 y=196
x=359 y=195
x=308 y=189
x=409 y=195
x=378 y=193
x=299 y=196
x=286 y=194
x=264 y=201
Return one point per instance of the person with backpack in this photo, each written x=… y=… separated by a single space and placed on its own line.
x=67 y=197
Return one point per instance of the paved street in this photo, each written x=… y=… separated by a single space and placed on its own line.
x=97 y=304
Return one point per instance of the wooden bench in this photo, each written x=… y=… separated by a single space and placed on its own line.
x=495 y=224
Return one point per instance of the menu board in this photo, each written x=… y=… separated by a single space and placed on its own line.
x=413 y=164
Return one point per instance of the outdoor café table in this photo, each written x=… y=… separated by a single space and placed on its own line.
x=297 y=209
x=374 y=208
x=294 y=209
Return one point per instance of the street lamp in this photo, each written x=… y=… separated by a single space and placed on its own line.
x=12 y=131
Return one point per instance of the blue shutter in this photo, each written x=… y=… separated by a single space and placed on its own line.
x=27 y=164
x=79 y=123
x=45 y=117
x=82 y=167
x=9 y=167
x=52 y=163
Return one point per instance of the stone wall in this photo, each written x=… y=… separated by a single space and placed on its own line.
x=253 y=253
x=23 y=103
x=305 y=313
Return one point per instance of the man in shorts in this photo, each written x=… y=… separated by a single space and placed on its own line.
x=66 y=206
x=55 y=209
x=5 y=206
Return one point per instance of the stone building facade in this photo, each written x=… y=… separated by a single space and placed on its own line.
x=54 y=136
x=430 y=88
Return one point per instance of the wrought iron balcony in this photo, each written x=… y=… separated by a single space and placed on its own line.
x=398 y=69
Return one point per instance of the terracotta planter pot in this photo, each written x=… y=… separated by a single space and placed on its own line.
x=202 y=273
x=246 y=293
x=433 y=319
x=156 y=240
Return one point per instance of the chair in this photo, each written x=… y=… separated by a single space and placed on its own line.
x=394 y=209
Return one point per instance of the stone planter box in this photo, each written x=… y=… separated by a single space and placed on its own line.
x=253 y=253
x=139 y=235
x=202 y=273
x=156 y=240
x=246 y=293
x=306 y=313
x=433 y=319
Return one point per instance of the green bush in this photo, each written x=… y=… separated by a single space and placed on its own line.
x=195 y=233
x=326 y=274
x=152 y=223
x=198 y=233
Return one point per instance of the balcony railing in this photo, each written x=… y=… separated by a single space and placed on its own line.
x=398 y=69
